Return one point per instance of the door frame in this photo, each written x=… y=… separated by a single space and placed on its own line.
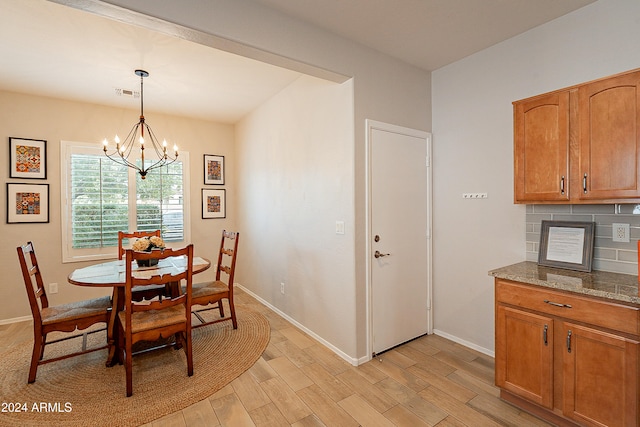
x=372 y=125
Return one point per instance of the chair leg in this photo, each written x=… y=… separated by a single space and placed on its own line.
x=44 y=341
x=233 y=313
x=221 y=308
x=189 y=352
x=36 y=356
x=128 y=367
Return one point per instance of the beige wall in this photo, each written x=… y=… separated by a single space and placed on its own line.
x=473 y=150
x=28 y=116
x=296 y=182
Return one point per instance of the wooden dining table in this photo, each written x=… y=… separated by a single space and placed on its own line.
x=112 y=275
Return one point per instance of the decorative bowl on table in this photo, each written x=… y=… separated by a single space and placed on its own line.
x=148 y=244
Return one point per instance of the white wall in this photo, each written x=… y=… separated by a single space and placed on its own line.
x=296 y=181
x=473 y=149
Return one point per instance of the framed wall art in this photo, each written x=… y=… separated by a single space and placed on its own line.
x=213 y=203
x=27 y=158
x=213 y=169
x=567 y=244
x=27 y=203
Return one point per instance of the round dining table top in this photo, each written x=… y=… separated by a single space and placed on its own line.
x=112 y=273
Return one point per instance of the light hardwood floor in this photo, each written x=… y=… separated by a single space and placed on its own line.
x=430 y=381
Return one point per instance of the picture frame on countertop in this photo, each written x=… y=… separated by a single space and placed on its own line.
x=567 y=245
x=27 y=203
x=27 y=158
x=213 y=169
x=213 y=203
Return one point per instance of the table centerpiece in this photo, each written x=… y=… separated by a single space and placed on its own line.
x=148 y=244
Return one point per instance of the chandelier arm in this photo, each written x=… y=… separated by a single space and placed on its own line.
x=122 y=161
x=159 y=164
x=158 y=148
x=130 y=141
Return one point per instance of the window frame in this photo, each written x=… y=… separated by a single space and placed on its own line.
x=69 y=254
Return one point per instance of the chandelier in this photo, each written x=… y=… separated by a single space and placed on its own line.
x=123 y=151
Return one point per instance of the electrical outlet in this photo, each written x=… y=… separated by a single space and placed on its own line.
x=620 y=232
x=282 y=288
x=53 y=288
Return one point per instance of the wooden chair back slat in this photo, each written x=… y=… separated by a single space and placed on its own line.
x=133 y=235
x=229 y=252
x=33 y=281
x=132 y=281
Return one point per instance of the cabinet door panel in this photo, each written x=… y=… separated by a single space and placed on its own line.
x=541 y=129
x=524 y=354
x=610 y=138
x=600 y=381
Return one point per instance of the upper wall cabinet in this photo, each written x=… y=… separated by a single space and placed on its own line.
x=580 y=144
x=541 y=127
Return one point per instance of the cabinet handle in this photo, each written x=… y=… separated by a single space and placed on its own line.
x=584 y=183
x=569 y=342
x=562 y=185
x=557 y=304
x=544 y=334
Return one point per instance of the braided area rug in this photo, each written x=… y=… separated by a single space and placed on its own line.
x=81 y=391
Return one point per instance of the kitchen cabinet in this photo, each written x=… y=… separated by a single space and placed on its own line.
x=600 y=378
x=580 y=144
x=571 y=359
x=541 y=127
x=524 y=359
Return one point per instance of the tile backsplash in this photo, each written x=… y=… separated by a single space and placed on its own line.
x=608 y=255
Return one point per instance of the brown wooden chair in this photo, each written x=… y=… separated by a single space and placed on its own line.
x=213 y=293
x=147 y=292
x=60 y=318
x=157 y=319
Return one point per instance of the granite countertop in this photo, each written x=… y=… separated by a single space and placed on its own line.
x=613 y=286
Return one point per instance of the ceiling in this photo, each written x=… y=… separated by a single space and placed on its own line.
x=54 y=50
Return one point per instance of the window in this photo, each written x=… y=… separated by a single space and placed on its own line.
x=101 y=197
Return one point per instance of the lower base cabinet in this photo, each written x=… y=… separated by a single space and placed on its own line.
x=600 y=378
x=556 y=357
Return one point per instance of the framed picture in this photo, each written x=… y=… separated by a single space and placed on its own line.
x=213 y=203
x=27 y=203
x=27 y=158
x=567 y=244
x=213 y=169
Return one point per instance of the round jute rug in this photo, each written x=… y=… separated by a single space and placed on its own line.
x=81 y=391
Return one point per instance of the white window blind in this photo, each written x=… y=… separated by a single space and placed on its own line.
x=102 y=197
x=99 y=201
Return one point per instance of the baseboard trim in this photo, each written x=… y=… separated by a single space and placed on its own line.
x=464 y=343
x=351 y=360
x=15 y=320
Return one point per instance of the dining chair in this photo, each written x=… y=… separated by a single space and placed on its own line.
x=213 y=293
x=147 y=292
x=157 y=319
x=59 y=318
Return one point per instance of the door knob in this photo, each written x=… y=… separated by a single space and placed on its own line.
x=377 y=254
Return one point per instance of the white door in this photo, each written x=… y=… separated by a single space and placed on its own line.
x=399 y=234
